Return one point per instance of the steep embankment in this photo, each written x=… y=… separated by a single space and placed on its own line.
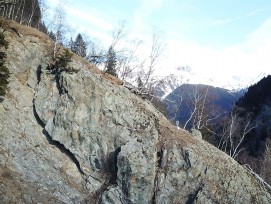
x=81 y=138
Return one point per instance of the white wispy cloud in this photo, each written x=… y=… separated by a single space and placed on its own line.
x=240 y=62
x=88 y=17
x=246 y=60
x=88 y=21
x=247 y=15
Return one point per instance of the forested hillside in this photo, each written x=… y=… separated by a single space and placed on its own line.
x=26 y=12
x=255 y=107
x=257 y=103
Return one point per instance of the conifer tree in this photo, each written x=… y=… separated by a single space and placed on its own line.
x=79 y=46
x=52 y=35
x=111 y=62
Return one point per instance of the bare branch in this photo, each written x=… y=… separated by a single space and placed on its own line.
x=234 y=133
x=118 y=34
x=157 y=49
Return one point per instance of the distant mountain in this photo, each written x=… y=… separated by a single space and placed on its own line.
x=181 y=101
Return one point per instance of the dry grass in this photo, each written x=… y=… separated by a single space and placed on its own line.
x=25 y=30
x=95 y=69
x=171 y=135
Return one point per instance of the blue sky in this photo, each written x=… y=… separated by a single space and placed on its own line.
x=221 y=40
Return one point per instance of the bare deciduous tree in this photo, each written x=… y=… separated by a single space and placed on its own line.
x=96 y=53
x=34 y=6
x=129 y=62
x=192 y=105
x=7 y=8
x=22 y=6
x=118 y=34
x=196 y=107
x=58 y=26
x=111 y=58
x=234 y=133
x=157 y=48
x=43 y=11
x=43 y=7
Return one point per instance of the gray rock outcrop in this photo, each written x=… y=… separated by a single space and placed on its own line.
x=196 y=133
x=84 y=138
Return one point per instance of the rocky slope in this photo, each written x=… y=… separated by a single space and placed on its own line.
x=82 y=137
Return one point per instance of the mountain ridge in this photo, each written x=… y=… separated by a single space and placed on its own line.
x=182 y=97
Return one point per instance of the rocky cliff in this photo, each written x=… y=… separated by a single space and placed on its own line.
x=82 y=137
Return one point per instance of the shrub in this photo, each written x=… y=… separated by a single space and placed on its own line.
x=61 y=62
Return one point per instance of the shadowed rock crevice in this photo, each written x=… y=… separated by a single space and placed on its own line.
x=159 y=157
x=110 y=171
x=38 y=73
x=193 y=196
x=112 y=166
x=155 y=183
x=162 y=158
x=59 y=86
x=57 y=144
x=186 y=158
x=56 y=73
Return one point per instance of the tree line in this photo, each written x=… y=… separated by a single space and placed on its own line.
x=26 y=12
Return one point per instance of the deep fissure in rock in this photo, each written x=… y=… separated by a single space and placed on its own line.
x=57 y=144
x=159 y=156
x=155 y=188
x=63 y=149
x=158 y=166
x=38 y=73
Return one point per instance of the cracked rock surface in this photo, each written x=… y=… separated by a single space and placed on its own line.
x=84 y=138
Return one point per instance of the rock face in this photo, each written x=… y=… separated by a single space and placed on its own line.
x=81 y=138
